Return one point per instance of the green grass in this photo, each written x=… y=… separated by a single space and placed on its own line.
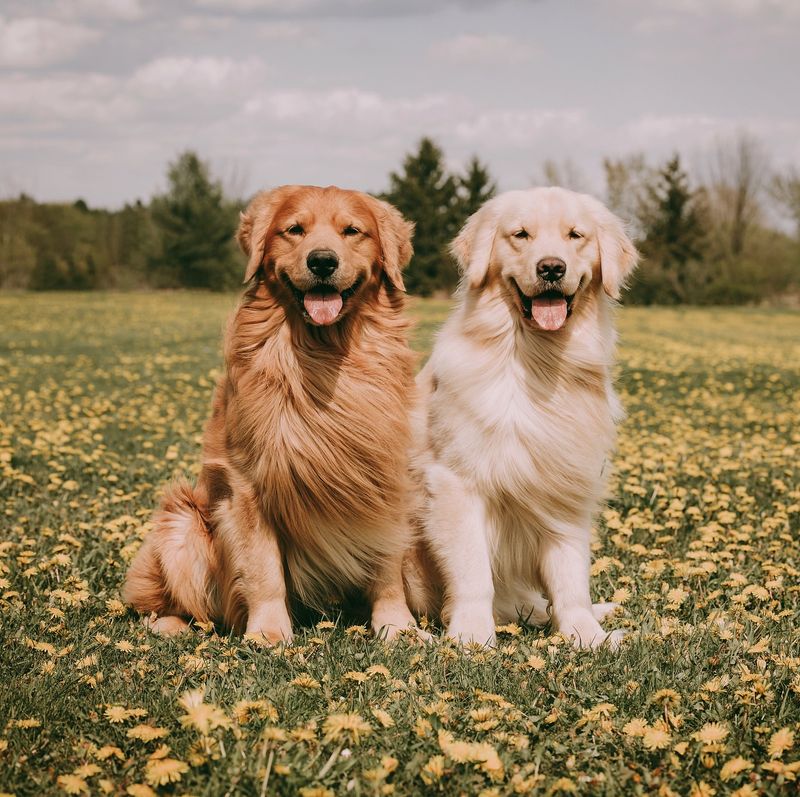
x=103 y=399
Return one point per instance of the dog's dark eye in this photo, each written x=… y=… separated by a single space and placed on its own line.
x=521 y=234
x=574 y=234
x=295 y=229
x=351 y=230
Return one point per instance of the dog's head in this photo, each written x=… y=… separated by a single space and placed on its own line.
x=547 y=246
x=321 y=247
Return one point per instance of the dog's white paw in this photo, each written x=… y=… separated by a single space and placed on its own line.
x=471 y=628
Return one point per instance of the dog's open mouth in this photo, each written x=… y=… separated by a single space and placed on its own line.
x=323 y=304
x=549 y=310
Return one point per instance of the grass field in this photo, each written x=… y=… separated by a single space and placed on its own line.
x=102 y=400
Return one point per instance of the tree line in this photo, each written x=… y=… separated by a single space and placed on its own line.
x=710 y=241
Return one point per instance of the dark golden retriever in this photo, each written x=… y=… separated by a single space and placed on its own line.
x=304 y=489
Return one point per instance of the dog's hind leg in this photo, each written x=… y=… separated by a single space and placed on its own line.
x=169 y=579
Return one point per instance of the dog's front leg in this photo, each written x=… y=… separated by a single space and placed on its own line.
x=390 y=612
x=252 y=565
x=456 y=533
x=564 y=570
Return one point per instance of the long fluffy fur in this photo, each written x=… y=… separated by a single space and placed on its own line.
x=512 y=434
x=303 y=491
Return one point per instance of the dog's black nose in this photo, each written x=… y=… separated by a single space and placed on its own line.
x=551 y=269
x=322 y=262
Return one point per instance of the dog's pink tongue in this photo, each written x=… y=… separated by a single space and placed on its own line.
x=323 y=306
x=549 y=313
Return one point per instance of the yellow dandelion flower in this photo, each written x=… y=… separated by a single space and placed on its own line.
x=780 y=742
x=730 y=769
x=480 y=753
x=512 y=629
x=636 y=727
x=315 y=791
x=73 y=784
x=352 y=726
x=271 y=734
x=116 y=714
x=656 y=739
x=621 y=595
x=305 y=681
x=87 y=770
x=666 y=697
x=702 y=789
x=535 y=662
x=384 y=717
x=389 y=763
x=245 y=710
x=146 y=733
x=358 y=677
x=160 y=771
x=203 y=716
x=107 y=751
x=711 y=733
x=379 y=669
x=745 y=791
x=356 y=630
x=125 y=646
x=325 y=625
x=433 y=770
x=565 y=785
x=140 y=790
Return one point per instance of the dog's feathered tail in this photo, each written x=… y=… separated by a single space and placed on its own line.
x=172 y=572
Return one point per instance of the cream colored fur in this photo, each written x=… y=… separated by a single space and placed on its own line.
x=516 y=423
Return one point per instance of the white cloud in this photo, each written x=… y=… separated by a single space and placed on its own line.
x=471 y=48
x=125 y=10
x=172 y=76
x=740 y=8
x=36 y=41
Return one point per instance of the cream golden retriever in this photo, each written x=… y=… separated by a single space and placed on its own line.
x=518 y=418
x=303 y=492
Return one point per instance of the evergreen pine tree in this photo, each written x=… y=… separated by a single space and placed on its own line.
x=674 y=231
x=196 y=228
x=475 y=187
x=425 y=194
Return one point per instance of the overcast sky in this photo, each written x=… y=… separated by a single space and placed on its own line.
x=96 y=96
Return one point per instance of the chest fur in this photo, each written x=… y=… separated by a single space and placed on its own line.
x=321 y=436
x=526 y=443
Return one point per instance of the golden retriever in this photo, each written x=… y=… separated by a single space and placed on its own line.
x=303 y=491
x=517 y=418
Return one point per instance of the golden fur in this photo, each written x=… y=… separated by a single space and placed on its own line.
x=517 y=420
x=303 y=490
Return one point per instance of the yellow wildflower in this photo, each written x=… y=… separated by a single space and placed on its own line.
x=636 y=727
x=780 y=742
x=734 y=767
x=204 y=716
x=352 y=726
x=146 y=733
x=73 y=784
x=160 y=771
x=711 y=733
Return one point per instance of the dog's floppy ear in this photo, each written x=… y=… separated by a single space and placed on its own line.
x=618 y=255
x=395 y=234
x=254 y=224
x=472 y=247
